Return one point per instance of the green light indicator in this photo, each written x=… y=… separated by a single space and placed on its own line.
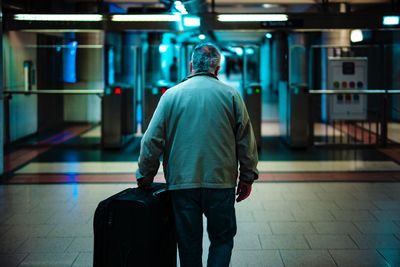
x=249 y=91
x=258 y=90
x=154 y=91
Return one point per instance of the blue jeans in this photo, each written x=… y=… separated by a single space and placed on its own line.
x=217 y=205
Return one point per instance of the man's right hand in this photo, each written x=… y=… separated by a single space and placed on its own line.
x=144 y=183
x=243 y=191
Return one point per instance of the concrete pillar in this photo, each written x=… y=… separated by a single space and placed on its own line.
x=153 y=61
x=1 y=96
x=278 y=62
x=298 y=59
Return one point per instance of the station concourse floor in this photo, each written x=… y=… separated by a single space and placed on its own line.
x=315 y=207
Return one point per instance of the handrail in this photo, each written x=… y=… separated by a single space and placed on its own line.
x=57 y=92
x=355 y=91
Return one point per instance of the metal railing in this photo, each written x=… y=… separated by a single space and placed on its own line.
x=369 y=131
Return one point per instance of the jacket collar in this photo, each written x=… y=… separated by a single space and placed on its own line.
x=202 y=73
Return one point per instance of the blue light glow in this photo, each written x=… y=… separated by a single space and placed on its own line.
x=391 y=20
x=202 y=36
x=268 y=35
x=69 y=62
x=249 y=51
x=191 y=21
x=163 y=48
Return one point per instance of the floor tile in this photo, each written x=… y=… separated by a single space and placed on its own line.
x=11 y=260
x=283 y=242
x=254 y=228
x=353 y=215
x=10 y=243
x=318 y=205
x=28 y=218
x=246 y=241
x=386 y=215
x=85 y=259
x=280 y=205
x=45 y=245
x=50 y=259
x=81 y=244
x=299 y=196
x=244 y=216
x=330 y=241
x=291 y=228
x=312 y=215
x=358 y=258
x=378 y=227
x=374 y=196
x=335 y=195
x=68 y=230
x=70 y=218
x=30 y=230
x=373 y=241
x=335 y=227
x=307 y=258
x=257 y=258
x=392 y=256
x=273 y=215
x=356 y=205
x=388 y=205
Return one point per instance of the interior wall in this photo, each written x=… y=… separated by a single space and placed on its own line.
x=19 y=47
x=90 y=75
x=395 y=76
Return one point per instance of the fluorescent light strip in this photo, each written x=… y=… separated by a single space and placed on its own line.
x=58 y=17
x=391 y=20
x=146 y=18
x=252 y=17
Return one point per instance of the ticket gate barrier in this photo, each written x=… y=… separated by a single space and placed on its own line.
x=152 y=96
x=118 y=116
x=294 y=115
x=252 y=99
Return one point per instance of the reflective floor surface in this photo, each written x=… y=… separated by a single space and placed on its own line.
x=281 y=224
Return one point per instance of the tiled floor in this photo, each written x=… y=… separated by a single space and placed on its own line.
x=281 y=224
x=315 y=207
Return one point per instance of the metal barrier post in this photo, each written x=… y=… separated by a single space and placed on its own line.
x=384 y=131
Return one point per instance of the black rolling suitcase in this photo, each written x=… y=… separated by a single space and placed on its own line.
x=135 y=228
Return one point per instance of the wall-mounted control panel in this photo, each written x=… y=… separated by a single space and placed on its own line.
x=347 y=73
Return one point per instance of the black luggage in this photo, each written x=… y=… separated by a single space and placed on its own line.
x=135 y=228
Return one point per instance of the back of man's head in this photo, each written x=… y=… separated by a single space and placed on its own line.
x=205 y=58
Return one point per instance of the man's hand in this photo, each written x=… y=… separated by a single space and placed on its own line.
x=144 y=183
x=243 y=191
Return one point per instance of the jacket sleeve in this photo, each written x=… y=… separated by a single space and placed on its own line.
x=152 y=144
x=246 y=146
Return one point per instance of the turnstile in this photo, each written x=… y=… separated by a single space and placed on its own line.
x=252 y=99
x=294 y=115
x=152 y=95
x=118 y=116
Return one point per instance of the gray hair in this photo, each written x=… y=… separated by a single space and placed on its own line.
x=205 y=57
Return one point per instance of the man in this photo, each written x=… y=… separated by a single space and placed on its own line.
x=202 y=128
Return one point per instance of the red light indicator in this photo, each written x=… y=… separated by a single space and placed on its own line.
x=163 y=90
x=117 y=90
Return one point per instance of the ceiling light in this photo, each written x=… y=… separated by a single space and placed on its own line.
x=391 y=20
x=58 y=17
x=191 y=21
x=146 y=18
x=163 y=48
x=252 y=17
x=268 y=5
x=202 y=36
x=356 y=36
x=180 y=7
